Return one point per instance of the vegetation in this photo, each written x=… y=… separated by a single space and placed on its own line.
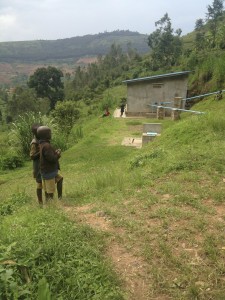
x=166 y=47
x=47 y=83
x=161 y=203
x=134 y=223
x=71 y=48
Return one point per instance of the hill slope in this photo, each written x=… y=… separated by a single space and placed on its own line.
x=75 y=47
x=160 y=208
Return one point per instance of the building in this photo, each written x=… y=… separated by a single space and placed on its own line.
x=144 y=92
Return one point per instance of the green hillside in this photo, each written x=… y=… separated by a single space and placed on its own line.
x=75 y=47
x=134 y=223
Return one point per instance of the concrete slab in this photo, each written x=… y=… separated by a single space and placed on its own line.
x=116 y=114
x=132 y=142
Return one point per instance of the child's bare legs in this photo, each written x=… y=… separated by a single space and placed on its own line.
x=39 y=196
x=59 y=188
x=39 y=191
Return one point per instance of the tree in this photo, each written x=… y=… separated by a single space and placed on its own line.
x=65 y=116
x=200 y=34
x=199 y=24
x=214 y=14
x=165 y=45
x=47 y=83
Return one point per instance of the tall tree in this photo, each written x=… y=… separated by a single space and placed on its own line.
x=199 y=34
x=47 y=83
x=166 y=45
x=214 y=14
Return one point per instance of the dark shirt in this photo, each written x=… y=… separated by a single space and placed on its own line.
x=49 y=160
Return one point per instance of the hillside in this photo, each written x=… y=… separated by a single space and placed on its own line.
x=71 y=48
x=155 y=215
x=19 y=60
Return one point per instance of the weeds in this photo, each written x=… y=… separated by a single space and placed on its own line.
x=67 y=263
x=11 y=161
x=9 y=206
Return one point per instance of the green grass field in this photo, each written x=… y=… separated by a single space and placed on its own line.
x=133 y=224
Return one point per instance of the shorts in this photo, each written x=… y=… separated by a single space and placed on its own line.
x=49 y=184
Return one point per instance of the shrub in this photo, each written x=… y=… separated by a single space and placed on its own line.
x=65 y=116
x=21 y=134
x=11 y=161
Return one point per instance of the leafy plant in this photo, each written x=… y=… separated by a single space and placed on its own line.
x=11 y=283
x=11 y=161
x=65 y=116
x=21 y=135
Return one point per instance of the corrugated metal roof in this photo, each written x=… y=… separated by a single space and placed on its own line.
x=157 y=76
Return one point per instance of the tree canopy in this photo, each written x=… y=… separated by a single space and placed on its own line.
x=165 y=45
x=214 y=14
x=47 y=83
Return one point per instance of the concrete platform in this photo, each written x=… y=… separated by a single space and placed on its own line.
x=116 y=114
x=132 y=142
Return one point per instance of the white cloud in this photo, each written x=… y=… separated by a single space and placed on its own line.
x=52 y=19
x=7 y=21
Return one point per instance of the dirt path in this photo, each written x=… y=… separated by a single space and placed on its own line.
x=130 y=267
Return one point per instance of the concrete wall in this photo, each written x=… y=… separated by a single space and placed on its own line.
x=142 y=93
x=152 y=127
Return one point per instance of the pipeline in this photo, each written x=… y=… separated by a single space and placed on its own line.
x=180 y=109
x=203 y=95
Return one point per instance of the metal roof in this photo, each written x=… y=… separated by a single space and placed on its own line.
x=157 y=77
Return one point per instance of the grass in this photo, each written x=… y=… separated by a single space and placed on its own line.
x=45 y=244
x=165 y=203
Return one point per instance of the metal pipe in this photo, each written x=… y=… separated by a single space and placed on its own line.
x=185 y=110
x=203 y=95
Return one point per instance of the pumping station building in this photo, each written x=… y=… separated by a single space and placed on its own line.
x=146 y=93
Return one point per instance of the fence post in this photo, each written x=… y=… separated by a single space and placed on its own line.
x=177 y=102
x=175 y=114
x=160 y=112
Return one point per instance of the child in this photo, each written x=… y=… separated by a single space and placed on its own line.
x=49 y=164
x=106 y=113
x=35 y=156
x=122 y=108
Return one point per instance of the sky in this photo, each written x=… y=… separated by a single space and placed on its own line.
x=23 y=20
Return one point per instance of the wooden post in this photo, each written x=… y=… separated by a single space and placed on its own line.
x=160 y=112
x=175 y=114
x=177 y=102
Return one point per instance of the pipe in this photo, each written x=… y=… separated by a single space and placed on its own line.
x=185 y=110
x=200 y=96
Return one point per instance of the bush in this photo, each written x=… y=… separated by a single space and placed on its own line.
x=65 y=116
x=11 y=162
x=21 y=134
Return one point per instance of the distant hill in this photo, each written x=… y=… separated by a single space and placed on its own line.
x=71 y=48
